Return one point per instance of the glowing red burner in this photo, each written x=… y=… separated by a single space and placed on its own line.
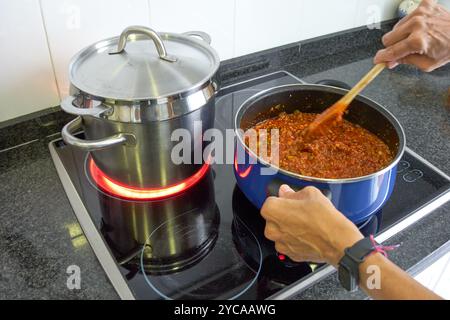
x=123 y=191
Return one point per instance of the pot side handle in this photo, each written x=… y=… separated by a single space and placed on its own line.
x=68 y=106
x=202 y=35
x=91 y=145
x=274 y=186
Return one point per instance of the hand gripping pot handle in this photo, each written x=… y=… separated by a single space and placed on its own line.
x=275 y=184
x=92 y=145
x=162 y=52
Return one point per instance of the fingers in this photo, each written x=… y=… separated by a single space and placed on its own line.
x=295 y=255
x=428 y=3
x=311 y=192
x=411 y=45
x=270 y=207
x=272 y=232
x=287 y=192
x=291 y=204
x=397 y=34
x=425 y=7
x=410 y=37
x=422 y=62
x=407 y=18
x=392 y=65
x=281 y=248
x=277 y=211
x=402 y=32
x=389 y=55
x=296 y=232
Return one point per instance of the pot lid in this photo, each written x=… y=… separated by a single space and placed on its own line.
x=141 y=64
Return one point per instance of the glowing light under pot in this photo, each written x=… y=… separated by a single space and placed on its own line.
x=242 y=174
x=123 y=191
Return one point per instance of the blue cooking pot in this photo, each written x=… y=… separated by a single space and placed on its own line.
x=357 y=198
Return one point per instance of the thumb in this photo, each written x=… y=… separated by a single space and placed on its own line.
x=285 y=191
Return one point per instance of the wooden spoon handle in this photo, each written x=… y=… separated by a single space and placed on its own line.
x=348 y=98
x=337 y=110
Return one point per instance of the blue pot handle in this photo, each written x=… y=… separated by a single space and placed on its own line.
x=274 y=186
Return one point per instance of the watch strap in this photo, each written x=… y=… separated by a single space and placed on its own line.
x=349 y=263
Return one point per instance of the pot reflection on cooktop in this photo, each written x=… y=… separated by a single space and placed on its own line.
x=172 y=233
x=216 y=271
x=221 y=274
x=177 y=244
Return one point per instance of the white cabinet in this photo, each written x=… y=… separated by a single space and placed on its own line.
x=27 y=83
x=215 y=17
x=73 y=24
x=263 y=24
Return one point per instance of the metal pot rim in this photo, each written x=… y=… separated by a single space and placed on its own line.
x=150 y=101
x=317 y=87
x=82 y=104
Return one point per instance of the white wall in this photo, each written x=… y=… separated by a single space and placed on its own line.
x=27 y=82
x=40 y=36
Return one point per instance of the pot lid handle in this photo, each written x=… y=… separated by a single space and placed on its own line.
x=144 y=31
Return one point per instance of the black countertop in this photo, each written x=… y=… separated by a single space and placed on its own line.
x=39 y=234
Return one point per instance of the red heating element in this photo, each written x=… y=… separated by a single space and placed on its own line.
x=121 y=190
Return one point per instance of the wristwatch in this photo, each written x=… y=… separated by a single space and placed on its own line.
x=348 y=270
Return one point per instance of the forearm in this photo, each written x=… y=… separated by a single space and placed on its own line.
x=382 y=279
x=324 y=236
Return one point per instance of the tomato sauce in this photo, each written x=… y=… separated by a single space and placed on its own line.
x=344 y=150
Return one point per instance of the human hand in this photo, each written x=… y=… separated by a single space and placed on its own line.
x=307 y=227
x=421 y=39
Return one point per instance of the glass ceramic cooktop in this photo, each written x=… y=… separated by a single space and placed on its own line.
x=208 y=242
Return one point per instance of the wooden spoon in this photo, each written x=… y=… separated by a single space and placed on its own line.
x=336 y=111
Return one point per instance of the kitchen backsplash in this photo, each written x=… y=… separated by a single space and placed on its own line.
x=40 y=36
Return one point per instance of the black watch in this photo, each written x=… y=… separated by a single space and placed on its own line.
x=348 y=271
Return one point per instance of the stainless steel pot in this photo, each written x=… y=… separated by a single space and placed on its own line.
x=131 y=92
